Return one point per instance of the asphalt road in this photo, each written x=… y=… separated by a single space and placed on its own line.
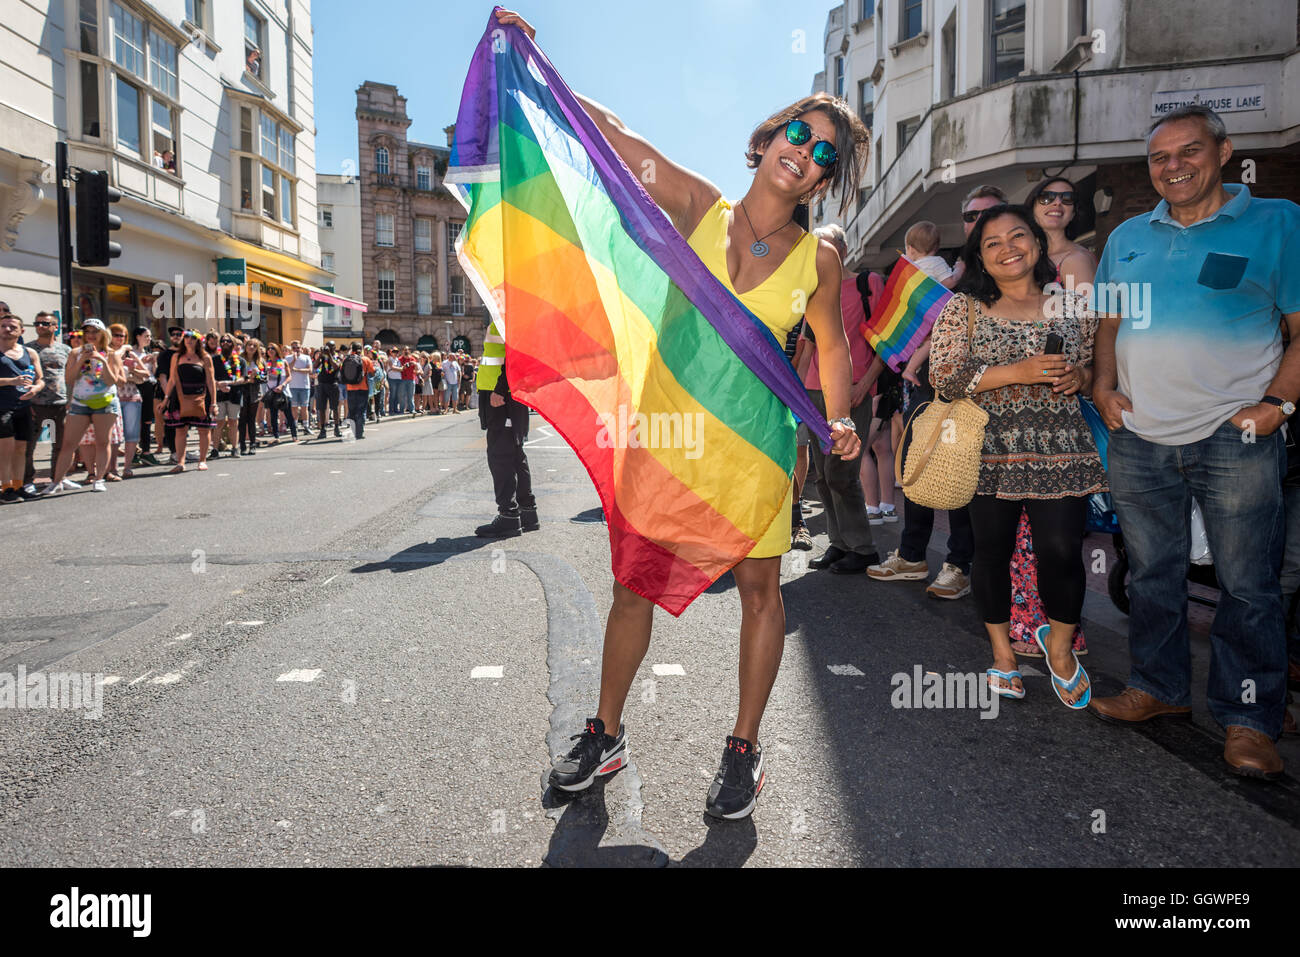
x=310 y=659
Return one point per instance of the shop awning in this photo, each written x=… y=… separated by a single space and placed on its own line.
x=316 y=293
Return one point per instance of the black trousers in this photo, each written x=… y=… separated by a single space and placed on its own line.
x=248 y=422
x=327 y=397
x=277 y=404
x=357 y=410
x=507 y=430
x=1058 y=528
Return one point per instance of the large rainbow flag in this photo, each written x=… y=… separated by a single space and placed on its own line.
x=908 y=307
x=677 y=399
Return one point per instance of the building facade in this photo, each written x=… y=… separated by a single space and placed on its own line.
x=417 y=292
x=339 y=223
x=201 y=112
x=1005 y=92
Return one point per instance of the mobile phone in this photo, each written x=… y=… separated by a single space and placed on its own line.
x=1055 y=344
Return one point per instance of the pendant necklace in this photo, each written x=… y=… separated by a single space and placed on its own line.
x=760 y=248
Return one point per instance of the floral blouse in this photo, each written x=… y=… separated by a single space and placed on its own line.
x=1037 y=443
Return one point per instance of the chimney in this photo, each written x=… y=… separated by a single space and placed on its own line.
x=451 y=134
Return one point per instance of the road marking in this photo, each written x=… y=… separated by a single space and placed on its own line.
x=390 y=470
x=305 y=675
x=279 y=473
x=488 y=671
x=662 y=670
x=328 y=580
x=847 y=670
x=550 y=470
x=168 y=679
x=336 y=471
x=223 y=475
x=179 y=638
x=444 y=470
x=112 y=679
x=247 y=624
x=143 y=676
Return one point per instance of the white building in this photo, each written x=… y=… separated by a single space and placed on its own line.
x=202 y=113
x=339 y=221
x=966 y=92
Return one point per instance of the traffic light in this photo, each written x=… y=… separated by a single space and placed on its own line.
x=94 y=221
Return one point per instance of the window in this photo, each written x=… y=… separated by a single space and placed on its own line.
x=457 y=294
x=162 y=64
x=265 y=150
x=423 y=177
x=163 y=136
x=948 y=51
x=839 y=77
x=1006 y=39
x=387 y=290
x=868 y=9
x=453 y=232
x=254 y=43
x=383 y=229
x=196 y=11
x=128 y=41
x=128 y=115
x=423 y=235
x=910 y=22
x=89 y=26
x=327 y=217
x=381 y=160
x=327 y=261
x=89 y=99
x=906 y=130
x=424 y=294
x=866 y=103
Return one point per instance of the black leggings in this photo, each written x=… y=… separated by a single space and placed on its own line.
x=248 y=422
x=1058 y=527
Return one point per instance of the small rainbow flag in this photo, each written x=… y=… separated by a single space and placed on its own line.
x=677 y=399
x=908 y=306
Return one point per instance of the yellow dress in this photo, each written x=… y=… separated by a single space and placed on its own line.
x=779 y=302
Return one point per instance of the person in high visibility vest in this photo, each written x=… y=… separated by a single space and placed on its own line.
x=505 y=420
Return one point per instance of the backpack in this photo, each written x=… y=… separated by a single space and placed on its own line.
x=353 y=371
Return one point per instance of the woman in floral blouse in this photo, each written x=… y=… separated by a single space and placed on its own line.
x=989 y=344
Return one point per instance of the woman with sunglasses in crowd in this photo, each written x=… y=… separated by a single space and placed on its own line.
x=251 y=395
x=142 y=347
x=137 y=371
x=275 y=393
x=94 y=373
x=191 y=397
x=1054 y=203
x=754 y=245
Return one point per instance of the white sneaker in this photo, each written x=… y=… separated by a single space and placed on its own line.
x=69 y=484
x=896 y=568
x=888 y=513
x=99 y=486
x=950 y=583
x=54 y=488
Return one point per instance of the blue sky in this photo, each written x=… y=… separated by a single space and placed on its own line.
x=694 y=78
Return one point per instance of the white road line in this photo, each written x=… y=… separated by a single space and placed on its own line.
x=847 y=670
x=488 y=671
x=305 y=675
x=279 y=473
x=223 y=475
x=390 y=470
x=328 y=580
x=444 y=470
x=143 y=676
x=336 y=471
x=247 y=624
x=168 y=679
x=112 y=679
x=662 y=670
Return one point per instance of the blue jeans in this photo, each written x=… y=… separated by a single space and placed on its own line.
x=1238 y=486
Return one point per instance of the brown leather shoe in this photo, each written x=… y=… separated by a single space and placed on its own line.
x=1132 y=705
x=1251 y=753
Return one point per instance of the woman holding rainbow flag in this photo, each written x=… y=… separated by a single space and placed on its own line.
x=761 y=256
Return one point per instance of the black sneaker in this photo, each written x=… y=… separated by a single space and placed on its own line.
x=854 y=564
x=321 y=435
x=595 y=755
x=528 y=519
x=10 y=495
x=828 y=558
x=503 y=526
x=738 y=782
x=29 y=492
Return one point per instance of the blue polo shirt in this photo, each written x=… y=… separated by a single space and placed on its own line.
x=1202 y=306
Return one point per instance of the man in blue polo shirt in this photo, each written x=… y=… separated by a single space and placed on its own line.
x=1191 y=377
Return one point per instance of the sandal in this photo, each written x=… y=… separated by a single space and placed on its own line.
x=127 y=473
x=1063 y=687
x=1080 y=646
x=112 y=477
x=1007 y=676
x=203 y=466
x=1027 y=649
x=176 y=470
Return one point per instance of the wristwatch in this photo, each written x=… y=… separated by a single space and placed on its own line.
x=845 y=421
x=1287 y=407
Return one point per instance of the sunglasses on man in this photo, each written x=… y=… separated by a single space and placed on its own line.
x=797 y=132
x=42 y=324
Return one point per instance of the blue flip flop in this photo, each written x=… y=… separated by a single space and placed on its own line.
x=1007 y=676
x=1060 y=685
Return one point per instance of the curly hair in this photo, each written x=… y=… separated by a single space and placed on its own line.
x=975 y=280
x=852 y=144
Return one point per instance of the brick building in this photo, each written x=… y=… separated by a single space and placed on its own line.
x=417 y=293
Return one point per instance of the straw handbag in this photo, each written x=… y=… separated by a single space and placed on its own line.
x=943 y=463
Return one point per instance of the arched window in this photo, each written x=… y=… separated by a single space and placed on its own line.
x=388 y=337
x=381 y=160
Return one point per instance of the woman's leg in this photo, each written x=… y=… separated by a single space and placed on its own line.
x=75 y=427
x=205 y=443
x=994 y=522
x=762 y=639
x=868 y=472
x=182 y=437
x=883 y=445
x=627 y=639
x=1058 y=526
x=104 y=423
